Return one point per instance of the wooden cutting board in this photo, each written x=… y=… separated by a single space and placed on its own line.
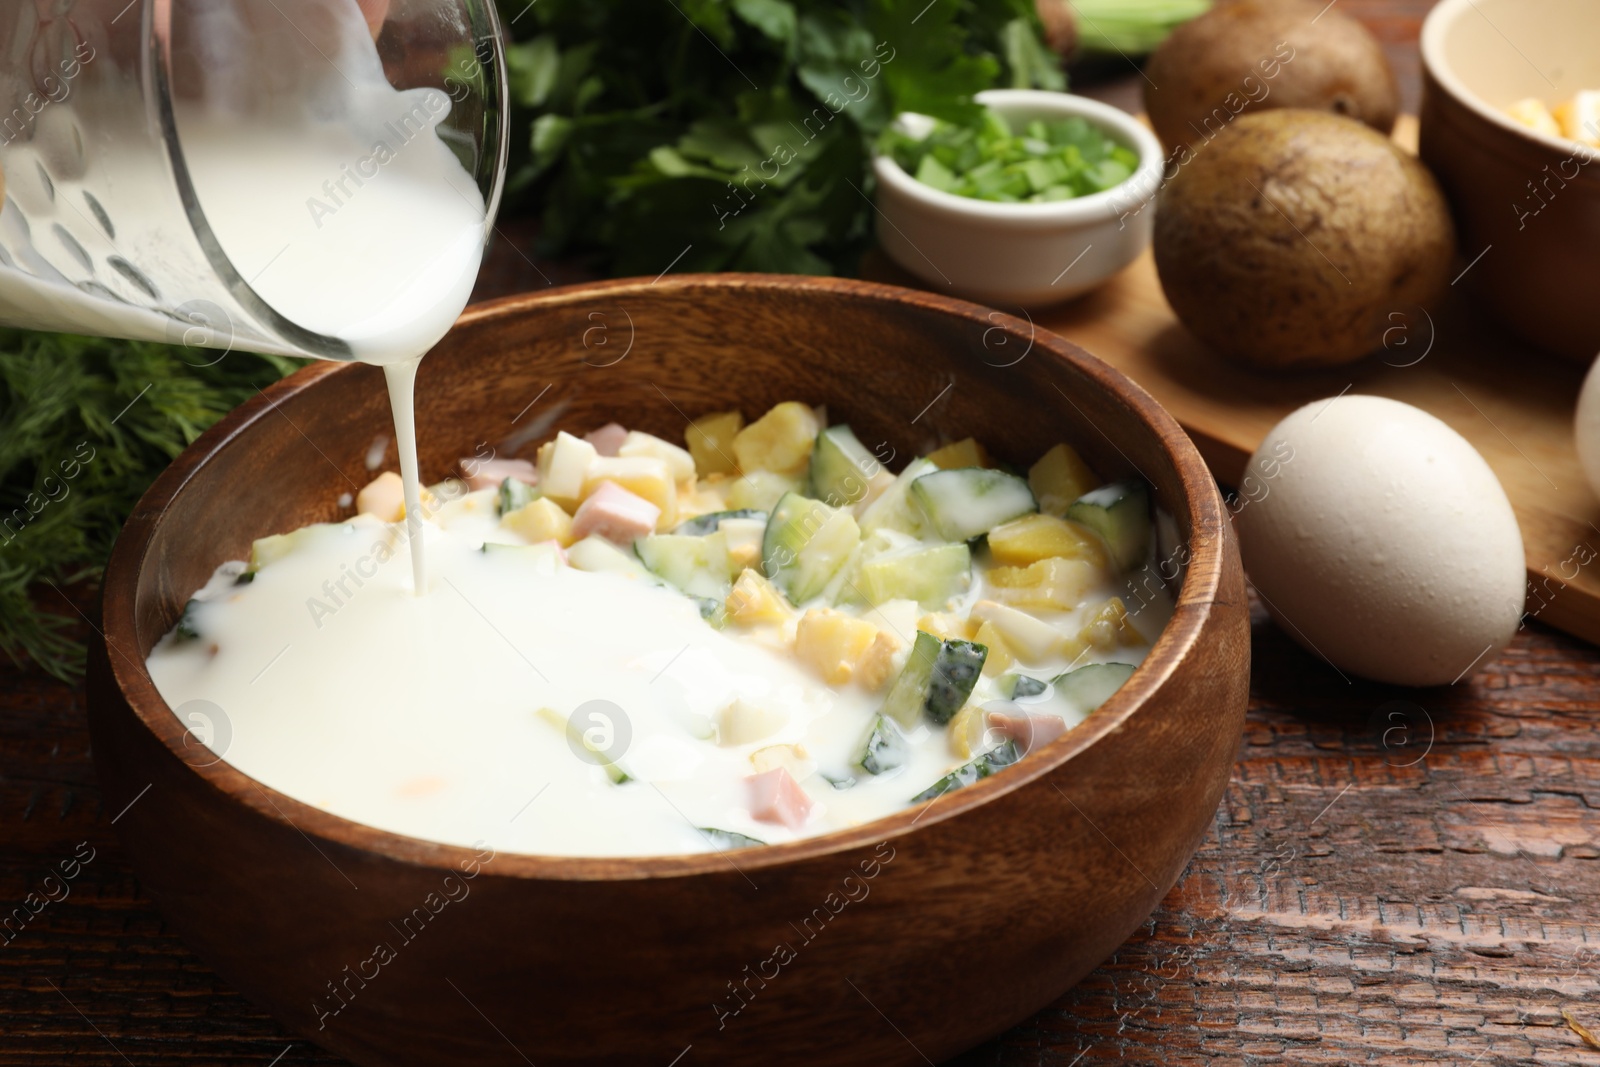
x=1513 y=403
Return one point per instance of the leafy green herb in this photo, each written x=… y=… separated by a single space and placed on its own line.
x=85 y=425
x=736 y=134
x=986 y=160
x=1131 y=27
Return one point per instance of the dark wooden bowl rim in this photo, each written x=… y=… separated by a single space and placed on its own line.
x=1199 y=592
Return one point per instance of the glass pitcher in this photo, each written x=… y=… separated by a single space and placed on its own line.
x=224 y=172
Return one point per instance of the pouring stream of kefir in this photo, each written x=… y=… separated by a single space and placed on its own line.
x=338 y=202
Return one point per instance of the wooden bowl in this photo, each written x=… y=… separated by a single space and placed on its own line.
x=1527 y=203
x=915 y=936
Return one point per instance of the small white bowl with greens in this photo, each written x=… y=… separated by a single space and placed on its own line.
x=1044 y=199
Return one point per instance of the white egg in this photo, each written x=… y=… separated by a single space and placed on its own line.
x=1380 y=539
x=1587 y=429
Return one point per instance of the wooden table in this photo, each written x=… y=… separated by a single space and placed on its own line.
x=1394 y=876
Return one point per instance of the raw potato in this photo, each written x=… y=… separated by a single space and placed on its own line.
x=1252 y=55
x=1298 y=238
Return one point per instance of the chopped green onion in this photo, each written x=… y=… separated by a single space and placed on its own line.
x=987 y=160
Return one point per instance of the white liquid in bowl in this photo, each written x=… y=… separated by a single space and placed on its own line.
x=421 y=716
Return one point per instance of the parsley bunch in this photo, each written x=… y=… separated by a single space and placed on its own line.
x=736 y=134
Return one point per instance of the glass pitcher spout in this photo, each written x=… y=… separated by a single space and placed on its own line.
x=305 y=177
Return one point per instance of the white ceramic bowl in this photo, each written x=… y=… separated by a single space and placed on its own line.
x=1029 y=254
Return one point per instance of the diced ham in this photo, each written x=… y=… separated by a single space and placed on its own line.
x=776 y=797
x=607 y=439
x=488 y=473
x=1028 y=730
x=615 y=514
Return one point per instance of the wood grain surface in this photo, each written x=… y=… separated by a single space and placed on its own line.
x=1395 y=877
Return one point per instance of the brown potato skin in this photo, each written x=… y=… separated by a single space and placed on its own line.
x=1298 y=238
x=1253 y=55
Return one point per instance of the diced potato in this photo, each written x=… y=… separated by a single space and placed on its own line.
x=1025 y=541
x=1031 y=640
x=643 y=476
x=710 y=441
x=1535 y=114
x=755 y=600
x=743 y=537
x=1052 y=584
x=760 y=490
x=1109 y=627
x=880 y=662
x=1060 y=477
x=1580 y=117
x=967 y=729
x=896 y=616
x=540 y=520
x=792 y=758
x=946 y=626
x=564 y=468
x=679 y=463
x=967 y=453
x=744 y=721
x=383 y=497
x=780 y=441
x=597 y=555
x=999 y=660
x=703 y=496
x=833 y=643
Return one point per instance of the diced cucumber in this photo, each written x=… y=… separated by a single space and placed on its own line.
x=761 y=490
x=245 y=578
x=930 y=576
x=712 y=610
x=968 y=502
x=910 y=689
x=512 y=494
x=722 y=840
x=696 y=565
x=613 y=769
x=543 y=558
x=1019 y=686
x=744 y=538
x=955 y=672
x=841 y=467
x=806 y=543
x=936 y=681
x=982 y=767
x=884 y=748
x=265 y=550
x=188 y=628
x=894 y=509
x=1092 y=685
x=701 y=525
x=594 y=553
x=1120 y=513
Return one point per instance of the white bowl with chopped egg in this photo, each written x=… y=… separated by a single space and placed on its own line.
x=1026 y=254
x=1499 y=78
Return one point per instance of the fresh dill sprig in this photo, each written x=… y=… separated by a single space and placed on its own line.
x=85 y=425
